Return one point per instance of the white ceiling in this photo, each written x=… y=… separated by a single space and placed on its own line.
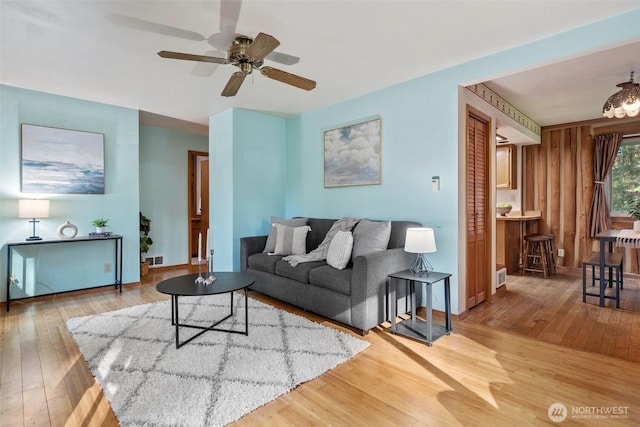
x=571 y=90
x=106 y=51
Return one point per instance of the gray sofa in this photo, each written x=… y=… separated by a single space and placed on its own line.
x=354 y=296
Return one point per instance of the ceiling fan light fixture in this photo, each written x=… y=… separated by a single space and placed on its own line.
x=625 y=102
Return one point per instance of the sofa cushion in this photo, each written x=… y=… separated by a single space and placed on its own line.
x=319 y=229
x=291 y=240
x=330 y=278
x=370 y=236
x=300 y=272
x=263 y=262
x=340 y=247
x=270 y=246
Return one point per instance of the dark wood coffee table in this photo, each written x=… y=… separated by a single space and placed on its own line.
x=226 y=282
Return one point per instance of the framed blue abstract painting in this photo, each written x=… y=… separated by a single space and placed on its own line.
x=61 y=161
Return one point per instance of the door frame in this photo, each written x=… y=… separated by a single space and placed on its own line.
x=192 y=158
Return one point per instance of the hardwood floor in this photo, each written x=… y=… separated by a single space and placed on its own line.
x=551 y=310
x=505 y=364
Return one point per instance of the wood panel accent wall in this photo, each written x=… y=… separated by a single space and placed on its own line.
x=557 y=180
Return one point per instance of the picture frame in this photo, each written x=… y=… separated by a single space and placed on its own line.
x=61 y=161
x=353 y=154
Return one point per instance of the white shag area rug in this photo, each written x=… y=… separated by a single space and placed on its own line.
x=214 y=379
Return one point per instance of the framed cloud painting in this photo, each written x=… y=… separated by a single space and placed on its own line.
x=61 y=161
x=352 y=154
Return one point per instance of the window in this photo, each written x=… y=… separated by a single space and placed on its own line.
x=625 y=175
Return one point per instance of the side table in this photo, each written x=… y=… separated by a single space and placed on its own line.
x=416 y=328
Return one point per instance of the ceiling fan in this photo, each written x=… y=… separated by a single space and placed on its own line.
x=247 y=54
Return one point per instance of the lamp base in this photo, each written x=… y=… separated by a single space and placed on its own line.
x=33 y=232
x=421 y=266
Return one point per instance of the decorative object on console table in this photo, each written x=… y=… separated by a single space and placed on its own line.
x=421 y=241
x=67 y=230
x=145 y=243
x=343 y=166
x=34 y=209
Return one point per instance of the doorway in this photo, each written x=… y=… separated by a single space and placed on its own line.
x=198 y=200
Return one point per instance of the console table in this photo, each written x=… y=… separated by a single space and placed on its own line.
x=117 y=239
x=416 y=328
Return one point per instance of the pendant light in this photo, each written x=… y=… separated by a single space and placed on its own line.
x=625 y=102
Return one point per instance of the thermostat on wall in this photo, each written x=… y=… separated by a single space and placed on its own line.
x=435 y=183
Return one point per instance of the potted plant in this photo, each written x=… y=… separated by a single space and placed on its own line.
x=100 y=225
x=145 y=242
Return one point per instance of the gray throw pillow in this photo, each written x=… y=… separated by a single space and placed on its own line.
x=370 y=236
x=270 y=246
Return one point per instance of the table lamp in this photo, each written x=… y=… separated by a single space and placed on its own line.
x=420 y=241
x=30 y=208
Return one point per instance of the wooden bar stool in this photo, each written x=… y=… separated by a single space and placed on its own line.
x=551 y=252
x=612 y=262
x=538 y=256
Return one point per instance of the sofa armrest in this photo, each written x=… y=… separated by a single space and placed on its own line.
x=250 y=246
x=370 y=274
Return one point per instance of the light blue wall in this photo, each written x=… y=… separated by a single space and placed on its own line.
x=415 y=147
x=247 y=181
x=64 y=266
x=164 y=168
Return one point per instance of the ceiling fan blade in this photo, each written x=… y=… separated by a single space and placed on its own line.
x=229 y=14
x=234 y=83
x=191 y=57
x=206 y=69
x=288 y=78
x=261 y=46
x=152 y=27
x=282 y=58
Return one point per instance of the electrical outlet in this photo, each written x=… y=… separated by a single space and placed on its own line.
x=107 y=267
x=560 y=253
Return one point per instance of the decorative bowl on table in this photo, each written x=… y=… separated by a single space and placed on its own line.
x=503 y=210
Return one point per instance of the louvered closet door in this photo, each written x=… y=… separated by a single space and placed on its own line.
x=478 y=252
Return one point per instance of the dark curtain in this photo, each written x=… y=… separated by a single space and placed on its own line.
x=605 y=150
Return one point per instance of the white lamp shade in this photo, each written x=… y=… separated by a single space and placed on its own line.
x=29 y=208
x=420 y=241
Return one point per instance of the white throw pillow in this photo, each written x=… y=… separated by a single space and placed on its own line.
x=291 y=240
x=340 y=250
